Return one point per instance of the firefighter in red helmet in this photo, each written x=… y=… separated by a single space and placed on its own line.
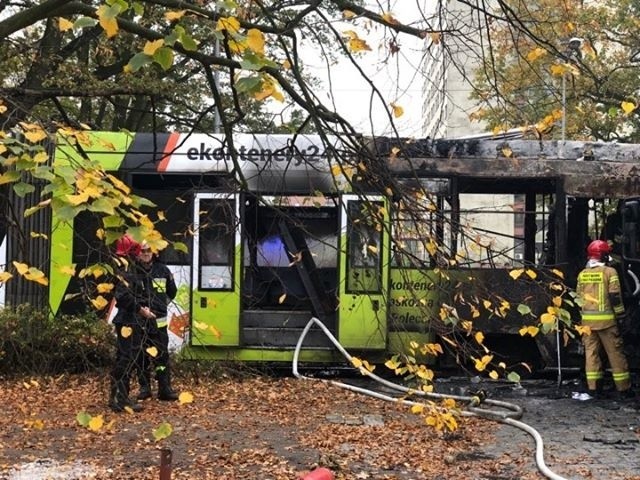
x=128 y=323
x=599 y=290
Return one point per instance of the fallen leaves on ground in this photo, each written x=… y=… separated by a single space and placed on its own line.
x=258 y=428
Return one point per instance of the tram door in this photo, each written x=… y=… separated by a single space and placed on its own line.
x=216 y=255
x=364 y=272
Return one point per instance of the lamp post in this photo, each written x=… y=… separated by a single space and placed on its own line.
x=572 y=53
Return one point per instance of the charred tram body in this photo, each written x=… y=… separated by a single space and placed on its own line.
x=280 y=232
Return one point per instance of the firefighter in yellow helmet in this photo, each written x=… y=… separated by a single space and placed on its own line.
x=599 y=289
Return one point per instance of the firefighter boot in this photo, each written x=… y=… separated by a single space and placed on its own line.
x=119 y=399
x=165 y=392
x=144 y=380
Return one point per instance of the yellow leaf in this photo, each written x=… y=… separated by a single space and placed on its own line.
x=185 y=397
x=628 y=107
x=282 y=298
x=547 y=318
x=35 y=135
x=557 y=301
x=22 y=268
x=286 y=65
x=99 y=302
x=417 y=408
x=215 y=331
x=475 y=313
x=487 y=304
x=507 y=152
x=68 y=270
x=126 y=332
x=64 y=24
x=348 y=14
x=4 y=276
x=558 y=273
x=583 y=330
x=255 y=41
x=388 y=17
x=398 y=111
x=358 y=45
x=479 y=337
x=493 y=374
x=230 y=24
x=449 y=403
x=531 y=274
x=153 y=351
x=151 y=47
x=174 y=15
x=558 y=69
x=536 y=53
x=356 y=362
x=104 y=287
x=108 y=23
x=200 y=325
x=435 y=37
x=96 y=423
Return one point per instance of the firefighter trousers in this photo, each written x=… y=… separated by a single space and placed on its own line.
x=610 y=340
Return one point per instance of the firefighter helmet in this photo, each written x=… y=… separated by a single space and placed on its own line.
x=126 y=246
x=598 y=249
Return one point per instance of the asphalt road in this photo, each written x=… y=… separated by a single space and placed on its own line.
x=594 y=439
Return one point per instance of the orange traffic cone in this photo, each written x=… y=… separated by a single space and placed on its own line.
x=319 y=474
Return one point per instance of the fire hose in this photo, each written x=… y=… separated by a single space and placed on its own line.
x=502 y=412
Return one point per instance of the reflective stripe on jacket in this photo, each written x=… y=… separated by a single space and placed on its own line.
x=597 y=286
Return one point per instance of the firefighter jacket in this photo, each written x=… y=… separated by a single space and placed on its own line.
x=599 y=289
x=150 y=286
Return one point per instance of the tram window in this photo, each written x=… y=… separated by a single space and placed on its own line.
x=176 y=226
x=271 y=252
x=216 y=239
x=364 y=238
x=422 y=236
x=491 y=231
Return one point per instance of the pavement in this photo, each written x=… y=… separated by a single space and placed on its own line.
x=582 y=439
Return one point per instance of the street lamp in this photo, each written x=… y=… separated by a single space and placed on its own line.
x=572 y=53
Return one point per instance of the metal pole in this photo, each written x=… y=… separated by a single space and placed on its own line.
x=165 y=464
x=564 y=115
x=216 y=79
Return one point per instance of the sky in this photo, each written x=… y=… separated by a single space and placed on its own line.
x=396 y=78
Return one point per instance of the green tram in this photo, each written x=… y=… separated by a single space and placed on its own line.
x=276 y=238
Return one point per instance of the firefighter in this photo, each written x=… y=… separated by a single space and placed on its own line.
x=599 y=289
x=158 y=289
x=128 y=323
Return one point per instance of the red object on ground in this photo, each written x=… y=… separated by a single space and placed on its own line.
x=319 y=474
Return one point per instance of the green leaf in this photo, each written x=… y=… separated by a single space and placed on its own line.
x=163 y=431
x=66 y=213
x=83 y=418
x=249 y=84
x=103 y=205
x=137 y=201
x=138 y=61
x=180 y=247
x=524 y=309
x=10 y=176
x=112 y=221
x=164 y=57
x=44 y=173
x=84 y=22
x=513 y=377
x=172 y=38
x=138 y=8
x=23 y=189
x=32 y=210
x=613 y=112
x=188 y=43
